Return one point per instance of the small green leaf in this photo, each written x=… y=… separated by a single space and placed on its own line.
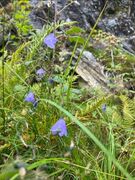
x=77 y=38
x=19 y=88
x=74 y=30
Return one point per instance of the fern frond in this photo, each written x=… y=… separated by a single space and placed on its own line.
x=116 y=118
x=92 y=106
x=128 y=110
x=17 y=54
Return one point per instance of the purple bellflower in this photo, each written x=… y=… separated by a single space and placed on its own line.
x=30 y=97
x=51 y=81
x=40 y=72
x=35 y=103
x=59 y=128
x=50 y=40
x=104 y=107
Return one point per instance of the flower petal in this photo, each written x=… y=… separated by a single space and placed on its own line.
x=40 y=72
x=59 y=128
x=30 y=97
x=50 y=40
x=103 y=107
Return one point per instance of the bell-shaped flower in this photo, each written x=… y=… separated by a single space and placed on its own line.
x=103 y=107
x=40 y=72
x=50 y=40
x=59 y=128
x=30 y=97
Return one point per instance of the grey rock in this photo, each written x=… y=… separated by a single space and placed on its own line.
x=118 y=14
x=4 y=2
x=118 y=17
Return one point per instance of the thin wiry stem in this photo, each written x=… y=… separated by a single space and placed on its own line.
x=55 y=14
x=55 y=20
x=3 y=73
x=54 y=30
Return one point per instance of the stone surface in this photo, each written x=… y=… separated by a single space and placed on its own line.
x=92 y=71
x=4 y=2
x=118 y=17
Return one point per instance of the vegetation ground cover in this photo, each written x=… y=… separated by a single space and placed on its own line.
x=51 y=126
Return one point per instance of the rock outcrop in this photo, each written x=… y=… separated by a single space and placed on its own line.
x=118 y=17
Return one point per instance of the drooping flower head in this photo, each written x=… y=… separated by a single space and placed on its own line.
x=51 y=81
x=103 y=107
x=40 y=72
x=30 y=97
x=59 y=128
x=35 y=103
x=50 y=40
